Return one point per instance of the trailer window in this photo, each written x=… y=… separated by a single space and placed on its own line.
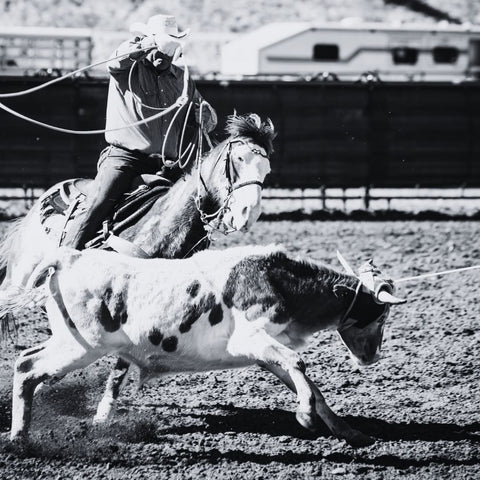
x=325 y=52
x=405 y=55
x=474 y=53
x=445 y=54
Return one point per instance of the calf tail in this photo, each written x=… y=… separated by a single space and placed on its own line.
x=8 y=243
x=15 y=300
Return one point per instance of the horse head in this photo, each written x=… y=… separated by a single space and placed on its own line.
x=235 y=170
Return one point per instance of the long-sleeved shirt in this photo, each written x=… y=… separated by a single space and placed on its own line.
x=152 y=87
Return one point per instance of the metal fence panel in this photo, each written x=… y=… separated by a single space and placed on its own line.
x=332 y=134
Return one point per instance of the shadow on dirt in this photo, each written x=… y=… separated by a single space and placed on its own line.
x=93 y=445
x=292 y=458
x=412 y=431
x=278 y=422
x=273 y=422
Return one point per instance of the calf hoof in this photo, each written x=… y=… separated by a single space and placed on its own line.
x=309 y=421
x=104 y=412
x=100 y=421
x=358 y=439
x=20 y=438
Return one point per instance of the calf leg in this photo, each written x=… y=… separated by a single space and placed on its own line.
x=336 y=425
x=115 y=383
x=250 y=341
x=47 y=361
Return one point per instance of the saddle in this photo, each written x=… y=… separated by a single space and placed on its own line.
x=67 y=199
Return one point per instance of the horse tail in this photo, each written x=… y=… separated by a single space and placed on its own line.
x=15 y=300
x=8 y=243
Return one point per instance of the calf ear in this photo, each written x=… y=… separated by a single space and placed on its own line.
x=343 y=291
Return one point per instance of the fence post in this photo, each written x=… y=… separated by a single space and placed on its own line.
x=323 y=195
x=366 y=197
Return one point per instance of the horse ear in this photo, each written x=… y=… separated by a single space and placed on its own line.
x=234 y=113
x=270 y=124
x=256 y=120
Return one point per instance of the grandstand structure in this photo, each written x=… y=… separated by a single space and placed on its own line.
x=41 y=50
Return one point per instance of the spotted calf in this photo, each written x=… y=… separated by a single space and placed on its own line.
x=215 y=310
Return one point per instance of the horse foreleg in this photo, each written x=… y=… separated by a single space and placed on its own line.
x=115 y=383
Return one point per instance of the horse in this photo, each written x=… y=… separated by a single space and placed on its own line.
x=221 y=190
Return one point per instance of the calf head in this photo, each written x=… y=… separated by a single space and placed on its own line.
x=361 y=328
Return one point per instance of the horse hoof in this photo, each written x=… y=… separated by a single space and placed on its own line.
x=359 y=439
x=308 y=421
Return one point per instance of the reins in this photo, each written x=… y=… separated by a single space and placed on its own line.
x=207 y=219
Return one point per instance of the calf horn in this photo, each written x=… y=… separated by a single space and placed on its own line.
x=386 y=297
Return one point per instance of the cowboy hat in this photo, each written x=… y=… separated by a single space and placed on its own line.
x=158 y=24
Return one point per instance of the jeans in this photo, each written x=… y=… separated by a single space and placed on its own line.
x=117 y=168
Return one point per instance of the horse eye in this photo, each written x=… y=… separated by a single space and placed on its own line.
x=240 y=158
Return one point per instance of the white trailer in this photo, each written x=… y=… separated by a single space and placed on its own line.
x=433 y=52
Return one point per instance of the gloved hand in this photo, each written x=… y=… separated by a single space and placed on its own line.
x=148 y=42
x=166 y=44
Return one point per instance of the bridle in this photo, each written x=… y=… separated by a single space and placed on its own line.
x=213 y=221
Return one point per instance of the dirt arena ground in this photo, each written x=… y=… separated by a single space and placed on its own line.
x=421 y=401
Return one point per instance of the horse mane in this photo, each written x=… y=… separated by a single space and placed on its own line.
x=251 y=127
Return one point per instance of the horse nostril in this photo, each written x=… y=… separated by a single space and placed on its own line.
x=245 y=211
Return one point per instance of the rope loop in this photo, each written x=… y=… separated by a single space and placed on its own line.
x=181 y=101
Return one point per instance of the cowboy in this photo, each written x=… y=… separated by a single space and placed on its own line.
x=141 y=85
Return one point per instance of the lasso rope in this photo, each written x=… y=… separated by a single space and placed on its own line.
x=179 y=103
x=67 y=75
x=436 y=274
x=350 y=271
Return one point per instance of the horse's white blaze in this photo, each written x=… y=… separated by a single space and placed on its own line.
x=244 y=206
